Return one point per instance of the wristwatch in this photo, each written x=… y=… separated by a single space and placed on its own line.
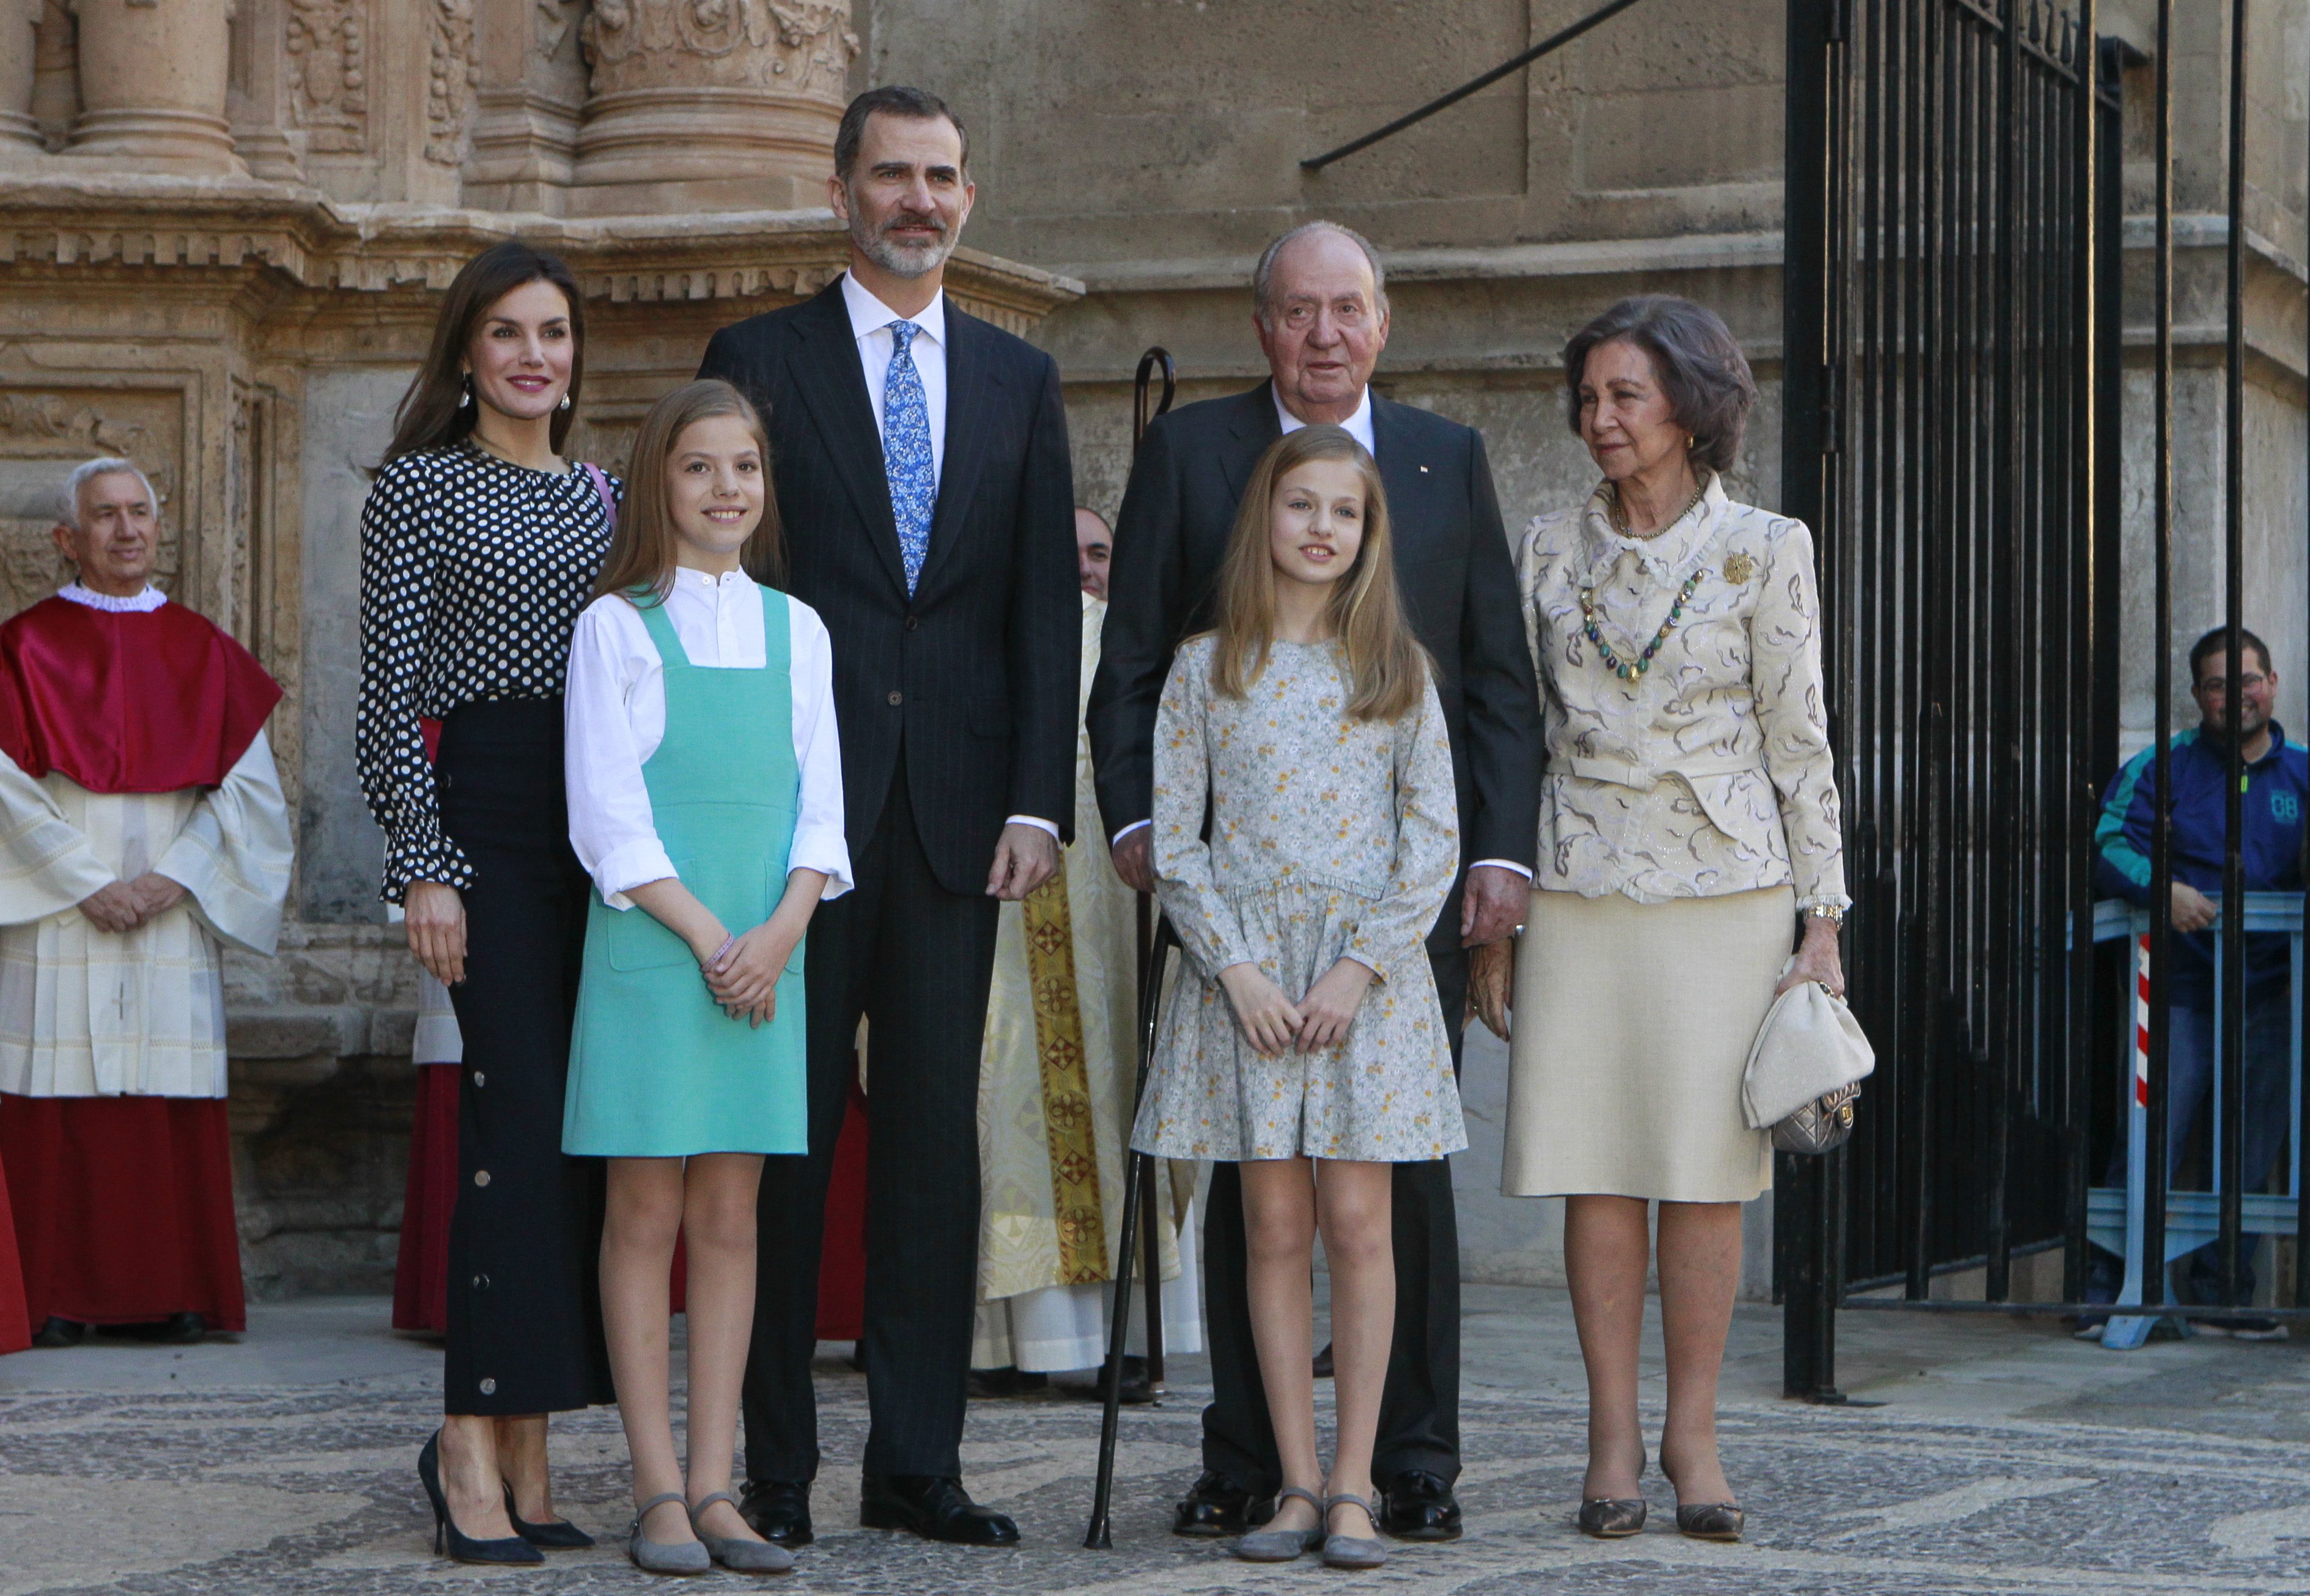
x=1826 y=911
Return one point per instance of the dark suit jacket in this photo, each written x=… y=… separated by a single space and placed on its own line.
x=978 y=672
x=1452 y=565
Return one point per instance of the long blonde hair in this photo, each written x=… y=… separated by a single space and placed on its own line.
x=1386 y=666
x=642 y=549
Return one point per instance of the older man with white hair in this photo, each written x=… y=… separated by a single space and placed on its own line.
x=1319 y=309
x=141 y=828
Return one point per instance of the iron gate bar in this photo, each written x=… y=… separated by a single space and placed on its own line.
x=1554 y=41
x=1946 y=312
x=2154 y=1180
x=2302 y=1115
x=2231 y=1057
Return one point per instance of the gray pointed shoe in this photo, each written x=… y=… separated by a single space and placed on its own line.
x=1283 y=1545
x=658 y=1557
x=1353 y=1551
x=733 y=1552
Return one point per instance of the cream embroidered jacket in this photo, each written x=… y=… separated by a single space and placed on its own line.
x=1710 y=772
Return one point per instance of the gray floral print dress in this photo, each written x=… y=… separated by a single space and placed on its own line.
x=1330 y=837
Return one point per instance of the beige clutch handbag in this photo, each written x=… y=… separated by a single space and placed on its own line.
x=1805 y=1069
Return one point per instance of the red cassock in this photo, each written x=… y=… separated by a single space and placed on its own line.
x=16 y=1322
x=123 y=1205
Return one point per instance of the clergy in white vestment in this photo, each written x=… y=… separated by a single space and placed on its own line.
x=142 y=831
x=1054 y=1109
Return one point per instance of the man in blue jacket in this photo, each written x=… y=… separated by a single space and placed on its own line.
x=2277 y=788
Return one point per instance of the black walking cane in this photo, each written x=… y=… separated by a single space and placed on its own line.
x=1137 y=1182
x=1149 y=1198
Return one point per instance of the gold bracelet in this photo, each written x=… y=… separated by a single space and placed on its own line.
x=1828 y=912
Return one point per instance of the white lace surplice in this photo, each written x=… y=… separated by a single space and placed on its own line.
x=85 y=1013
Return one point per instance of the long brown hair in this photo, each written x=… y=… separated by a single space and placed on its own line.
x=642 y=548
x=429 y=416
x=1386 y=666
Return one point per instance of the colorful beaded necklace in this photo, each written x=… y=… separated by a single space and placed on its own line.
x=1630 y=670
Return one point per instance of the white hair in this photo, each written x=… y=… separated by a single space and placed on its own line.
x=1263 y=276
x=87 y=471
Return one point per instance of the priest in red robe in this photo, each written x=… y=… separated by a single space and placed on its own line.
x=142 y=830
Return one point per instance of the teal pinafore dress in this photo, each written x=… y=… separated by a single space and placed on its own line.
x=656 y=1069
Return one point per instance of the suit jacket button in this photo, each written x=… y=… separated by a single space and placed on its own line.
x=481 y=1283
x=897 y=700
x=913 y=621
x=481 y=1177
x=481 y=1078
x=488 y=1388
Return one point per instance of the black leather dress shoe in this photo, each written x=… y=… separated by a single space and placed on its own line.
x=1420 y=1506
x=934 y=1506
x=60 y=1332
x=998 y=1384
x=778 y=1510
x=1214 y=1508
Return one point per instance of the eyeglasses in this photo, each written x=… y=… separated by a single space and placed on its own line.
x=2252 y=681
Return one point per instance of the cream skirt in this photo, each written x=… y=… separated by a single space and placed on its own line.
x=1632 y=1024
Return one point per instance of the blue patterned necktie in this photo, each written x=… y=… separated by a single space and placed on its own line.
x=906 y=452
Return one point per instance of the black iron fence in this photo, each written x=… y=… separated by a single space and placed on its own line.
x=1953 y=339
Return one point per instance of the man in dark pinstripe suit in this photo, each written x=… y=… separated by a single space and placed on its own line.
x=920 y=456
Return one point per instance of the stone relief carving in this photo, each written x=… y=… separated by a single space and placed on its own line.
x=801 y=47
x=456 y=73
x=554 y=17
x=328 y=47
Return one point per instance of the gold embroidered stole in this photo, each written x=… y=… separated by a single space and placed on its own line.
x=1067 y=1124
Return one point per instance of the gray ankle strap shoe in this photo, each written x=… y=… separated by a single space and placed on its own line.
x=1281 y=1546
x=1353 y=1551
x=658 y=1556
x=734 y=1552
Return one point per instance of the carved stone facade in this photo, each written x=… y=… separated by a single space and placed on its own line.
x=225 y=227
x=720 y=102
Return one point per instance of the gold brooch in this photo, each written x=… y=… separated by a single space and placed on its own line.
x=1739 y=569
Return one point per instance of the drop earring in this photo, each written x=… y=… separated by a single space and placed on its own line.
x=565 y=401
x=464 y=391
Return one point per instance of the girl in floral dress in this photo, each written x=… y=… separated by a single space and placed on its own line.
x=1304 y=1040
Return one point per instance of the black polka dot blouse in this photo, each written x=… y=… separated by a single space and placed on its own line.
x=472 y=572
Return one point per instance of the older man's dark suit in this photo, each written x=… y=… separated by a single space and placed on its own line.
x=1452 y=565
x=957 y=710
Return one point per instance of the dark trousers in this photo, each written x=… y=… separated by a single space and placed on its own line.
x=915 y=961
x=524 y=1239
x=1419 y=1410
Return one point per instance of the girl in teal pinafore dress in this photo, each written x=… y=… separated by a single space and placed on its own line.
x=705 y=789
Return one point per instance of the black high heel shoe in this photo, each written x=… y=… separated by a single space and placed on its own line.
x=459 y=1546
x=554 y=1535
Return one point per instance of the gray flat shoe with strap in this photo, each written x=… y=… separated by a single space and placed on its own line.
x=1353 y=1551
x=1283 y=1545
x=736 y=1552
x=658 y=1557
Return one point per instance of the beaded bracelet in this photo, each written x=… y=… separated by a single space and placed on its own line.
x=728 y=943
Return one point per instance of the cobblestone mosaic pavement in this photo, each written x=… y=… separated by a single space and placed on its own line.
x=310 y=1489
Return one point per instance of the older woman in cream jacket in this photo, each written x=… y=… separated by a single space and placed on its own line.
x=1688 y=833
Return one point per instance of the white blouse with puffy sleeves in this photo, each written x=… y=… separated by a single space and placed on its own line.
x=1709 y=772
x=615 y=713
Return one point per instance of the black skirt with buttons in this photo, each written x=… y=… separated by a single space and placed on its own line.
x=525 y=1301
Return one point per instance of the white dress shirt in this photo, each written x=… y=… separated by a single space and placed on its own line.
x=1358 y=427
x=870 y=324
x=614 y=712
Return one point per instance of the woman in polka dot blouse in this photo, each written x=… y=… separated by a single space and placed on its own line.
x=480 y=544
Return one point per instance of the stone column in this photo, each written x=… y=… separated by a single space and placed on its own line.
x=153 y=79
x=711 y=105
x=19 y=134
